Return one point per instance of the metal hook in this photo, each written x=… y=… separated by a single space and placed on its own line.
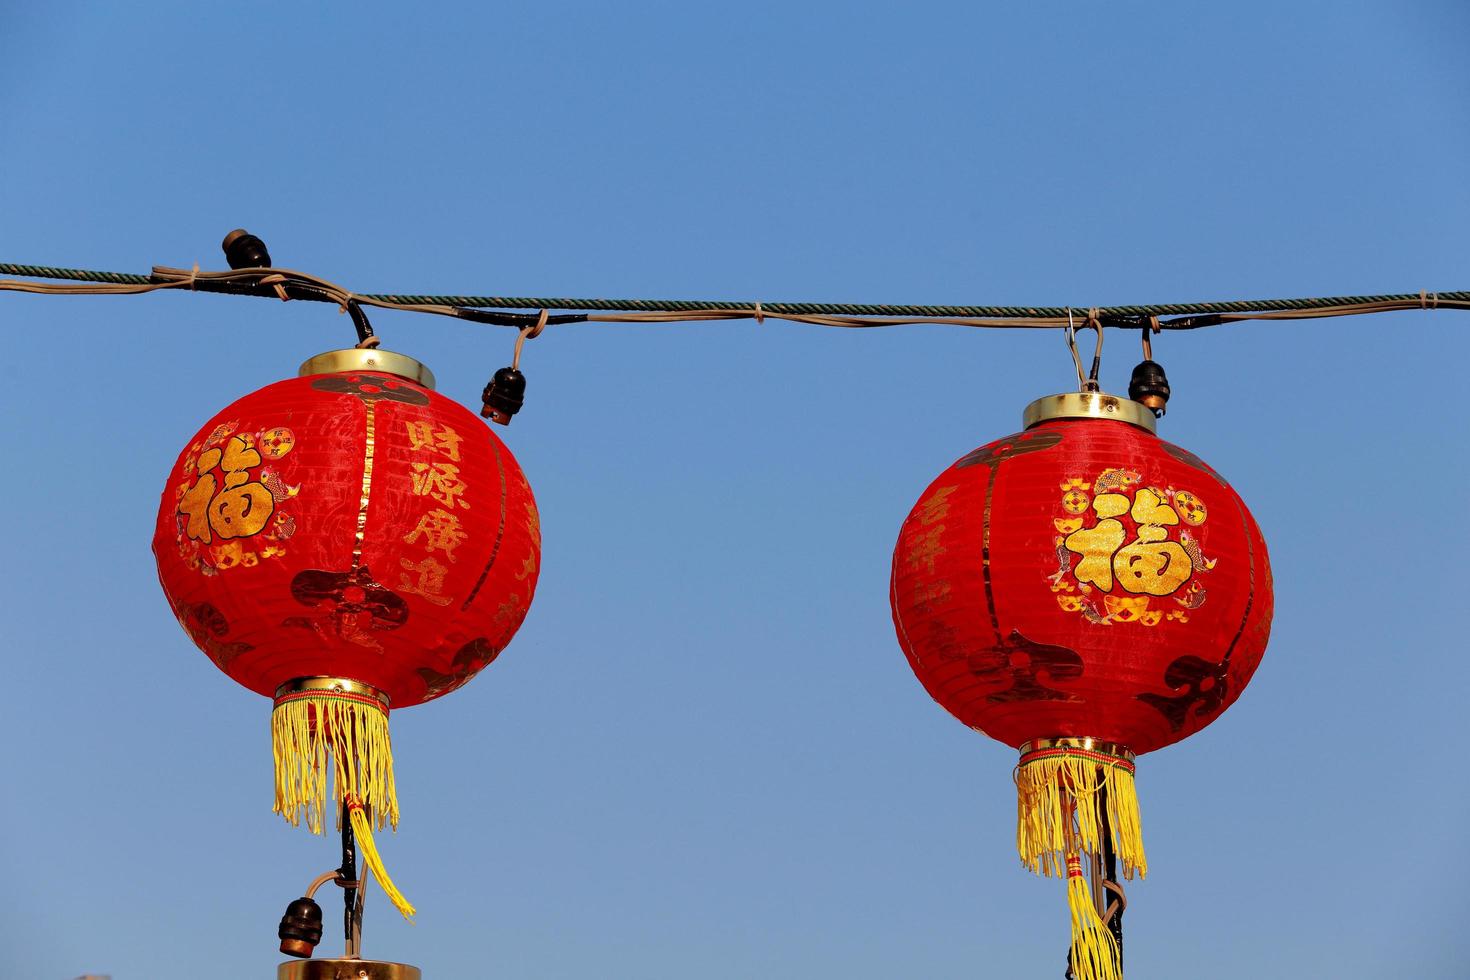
x=1096 y=324
x=1087 y=381
x=1071 y=336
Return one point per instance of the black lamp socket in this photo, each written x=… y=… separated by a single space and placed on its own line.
x=504 y=395
x=245 y=251
x=301 y=928
x=1150 y=386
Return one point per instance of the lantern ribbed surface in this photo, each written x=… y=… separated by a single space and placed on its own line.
x=349 y=525
x=347 y=544
x=1082 y=578
x=1085 y=592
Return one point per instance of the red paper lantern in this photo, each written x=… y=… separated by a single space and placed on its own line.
x=1085 y=592
x=345 y=542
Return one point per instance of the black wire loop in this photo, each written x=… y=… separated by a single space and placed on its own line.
x=365 y=335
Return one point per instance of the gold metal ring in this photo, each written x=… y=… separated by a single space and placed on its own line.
x=1089 y=405
x=347 y=969
x=374 y=359
x=332 y=685
x=1112 y=749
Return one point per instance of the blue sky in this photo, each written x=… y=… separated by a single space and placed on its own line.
x=704 y=755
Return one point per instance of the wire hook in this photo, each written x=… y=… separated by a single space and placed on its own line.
x=1087 y=381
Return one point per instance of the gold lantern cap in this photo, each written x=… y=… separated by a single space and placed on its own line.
x=1089 y=405
x=368 y=359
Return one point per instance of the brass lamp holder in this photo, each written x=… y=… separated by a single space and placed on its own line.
x=347 y=969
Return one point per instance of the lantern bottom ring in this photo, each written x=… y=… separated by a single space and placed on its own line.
x=322 y=686
x=1111 y=753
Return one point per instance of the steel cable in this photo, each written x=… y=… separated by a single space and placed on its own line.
x=288 y=284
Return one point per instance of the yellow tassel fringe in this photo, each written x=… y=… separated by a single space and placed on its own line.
x=1094 y=950
x=1052 y=792
x=362 y=828
x=307 y=732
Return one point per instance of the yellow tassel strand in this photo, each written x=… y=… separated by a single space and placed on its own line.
x=310 y=730
x=1051 y=790
x=1094 y=950
x=362 y=827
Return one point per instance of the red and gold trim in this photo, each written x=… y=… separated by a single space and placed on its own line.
x=1071 y=790
x=1088 y=749
x=332 y=689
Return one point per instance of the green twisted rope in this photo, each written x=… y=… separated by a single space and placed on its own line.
x=809 y=309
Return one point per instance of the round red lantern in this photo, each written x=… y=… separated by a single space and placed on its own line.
x=1084 y=592
x=347 y=542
